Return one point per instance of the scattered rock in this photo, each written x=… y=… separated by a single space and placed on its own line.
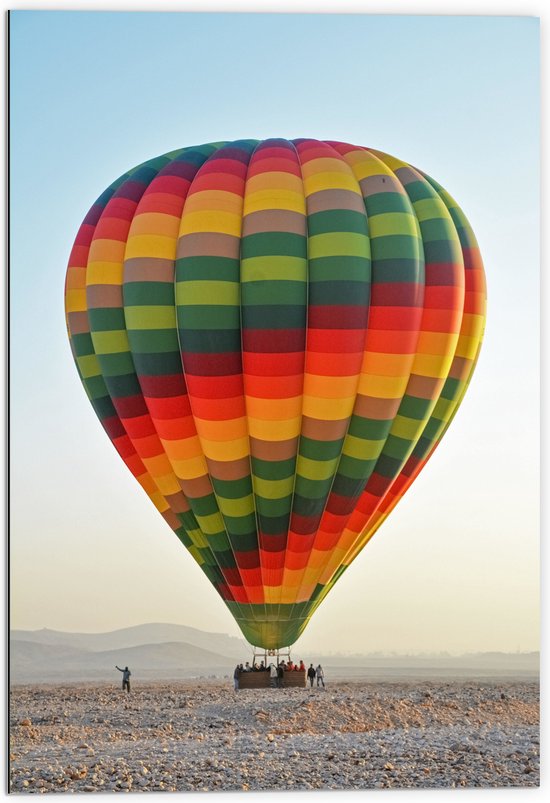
x=362 y=736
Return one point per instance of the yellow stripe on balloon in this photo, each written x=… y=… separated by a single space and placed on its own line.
x=361 y=448
x=209 y=200
x=274 y=199
x=327 y=409
x=75 y=301
x=270 y=267
x=225 y=451
x=190 y=468
x=382 y=387
x=328 y=181
x=432 y=365
x=104 y=272
x=316 y=469
x=338 y=244
x=140 y=245
x=273 y=489
x=264 y=430
x=218 y=221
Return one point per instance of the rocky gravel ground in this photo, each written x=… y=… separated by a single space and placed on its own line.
x=202 y=736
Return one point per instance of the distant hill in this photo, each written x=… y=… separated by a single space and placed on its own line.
x=31 y=662
x=162 y=651
x=150 y=650
x=135 y=636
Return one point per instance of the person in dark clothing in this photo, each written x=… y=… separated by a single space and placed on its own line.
x=280 y=675
x=311 y=674
x=125 y=678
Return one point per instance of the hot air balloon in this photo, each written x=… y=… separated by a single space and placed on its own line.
x=275 y=336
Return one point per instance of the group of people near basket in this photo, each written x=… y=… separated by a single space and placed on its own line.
x=277 y=673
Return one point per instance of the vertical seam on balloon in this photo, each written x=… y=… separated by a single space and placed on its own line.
x=353 y=550
x=306 y=324
x=244 y=393
x=433 y=402
x=359 y=192
x=191 y=403
x=320 y=571
x=444 y=195
x=190 y=399
x=237 y=567
x=212 y=552
x=153 y=481
x=113 y=187
x=208 y=551
x=220 y=568
x=421 y=264
x=252 y=605
x=183 y=371
x=252 y=476
x=256 y=495
x=358 y=379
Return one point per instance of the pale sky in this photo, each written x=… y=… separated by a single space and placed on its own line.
x=456 y=565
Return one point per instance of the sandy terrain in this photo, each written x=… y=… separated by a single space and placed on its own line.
x=202 y=736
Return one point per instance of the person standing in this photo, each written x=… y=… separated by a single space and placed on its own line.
x=280 y=675
x=236 y=675
x=320 y=675
x=125 y=678
x=311 y=675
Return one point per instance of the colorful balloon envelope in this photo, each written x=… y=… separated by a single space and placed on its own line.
x=275 y=336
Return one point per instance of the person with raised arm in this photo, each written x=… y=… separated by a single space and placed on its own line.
x=125 y=678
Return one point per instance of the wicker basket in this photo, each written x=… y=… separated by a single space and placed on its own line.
x=262 y=680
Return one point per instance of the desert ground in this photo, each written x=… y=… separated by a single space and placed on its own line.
x=202 y=736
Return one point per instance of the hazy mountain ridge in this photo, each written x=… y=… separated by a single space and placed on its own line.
x=161 y=651
x=136 y=636
x=44 y=663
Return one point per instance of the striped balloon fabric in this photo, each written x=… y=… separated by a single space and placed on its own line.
x=275 y=336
